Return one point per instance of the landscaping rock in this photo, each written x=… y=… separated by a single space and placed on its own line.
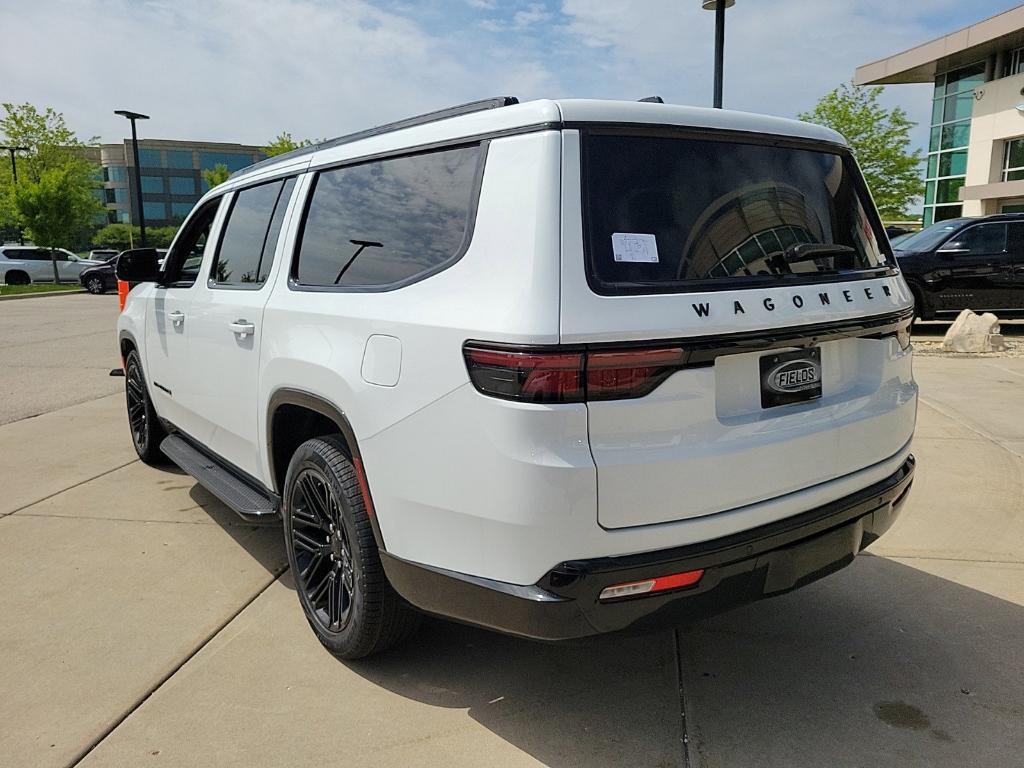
x=971 y=333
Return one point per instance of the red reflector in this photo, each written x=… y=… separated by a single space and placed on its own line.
x=650 y=586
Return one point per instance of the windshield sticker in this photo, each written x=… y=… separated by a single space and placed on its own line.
x=632 y=246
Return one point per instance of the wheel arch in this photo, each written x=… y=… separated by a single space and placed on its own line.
x=294 y=416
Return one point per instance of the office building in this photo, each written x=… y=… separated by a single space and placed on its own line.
x=976 y=143
x=172 y=179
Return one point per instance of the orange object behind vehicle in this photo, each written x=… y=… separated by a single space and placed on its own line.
x=122 y=293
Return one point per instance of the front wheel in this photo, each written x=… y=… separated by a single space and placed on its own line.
x=95 y=285
x=147 y=432
x=344 y=592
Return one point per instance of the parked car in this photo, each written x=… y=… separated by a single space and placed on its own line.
x=103 y=254
x=101 y=278
x=553 y=368
x=24 y=264
x=966 y=263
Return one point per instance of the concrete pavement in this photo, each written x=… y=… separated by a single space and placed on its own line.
x=144 y=623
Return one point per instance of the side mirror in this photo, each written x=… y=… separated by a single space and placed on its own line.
x=139 y=265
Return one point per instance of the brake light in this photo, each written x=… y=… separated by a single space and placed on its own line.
x=555 y=375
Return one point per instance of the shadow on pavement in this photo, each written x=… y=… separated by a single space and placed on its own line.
x=881 y=664
x=607 y=701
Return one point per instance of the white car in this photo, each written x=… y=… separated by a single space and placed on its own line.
x=553 y=368
x=24 y=264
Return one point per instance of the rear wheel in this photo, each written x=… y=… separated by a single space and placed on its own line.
x=17 y=277
x=95 y=285
x=147 y=432
x=344 y=593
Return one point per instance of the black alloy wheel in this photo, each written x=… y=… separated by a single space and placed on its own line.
x=323 y=550
x=147 y=432
x=95 y=285
x=349 y=603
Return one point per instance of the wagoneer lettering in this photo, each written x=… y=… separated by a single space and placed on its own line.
x=534 y=366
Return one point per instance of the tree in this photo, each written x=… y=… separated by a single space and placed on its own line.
x=52 y=146
x=56 y=209
x=880 y=139
x=282 y=143
x=216 y=175
x=122 y=237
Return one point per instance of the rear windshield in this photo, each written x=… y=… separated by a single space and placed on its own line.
x=677 y=214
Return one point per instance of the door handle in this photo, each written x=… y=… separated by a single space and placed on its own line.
x=177 y=318
x=242 y=328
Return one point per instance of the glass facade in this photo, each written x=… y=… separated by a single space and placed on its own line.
x=153 y=184
x=952 y=104
x=154 y=210
x=233 y=161
x=151 y=158
x=180 y=210
x=182 y=185
x=114 y=173
x=179 y=158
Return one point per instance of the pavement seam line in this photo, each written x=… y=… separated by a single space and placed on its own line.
x=276 y=575
x=892 y=556
x=966 y=425
x=64 y=490
x=677 y=647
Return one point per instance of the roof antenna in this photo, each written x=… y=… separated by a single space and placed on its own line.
x=653 y=99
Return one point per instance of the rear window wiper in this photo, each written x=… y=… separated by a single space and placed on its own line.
x=798 y=252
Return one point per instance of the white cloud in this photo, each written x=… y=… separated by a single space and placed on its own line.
x=483 y=5
x=535 y=13
x=243 y=70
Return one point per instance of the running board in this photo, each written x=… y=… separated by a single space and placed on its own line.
x=248 y=502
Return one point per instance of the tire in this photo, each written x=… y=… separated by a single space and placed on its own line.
x=146 y=430
x=920 y=313
x=17 y=277
x=95 y=285
x=349 y=603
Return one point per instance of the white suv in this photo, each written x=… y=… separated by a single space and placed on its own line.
x=553 y=368
x=24 y=264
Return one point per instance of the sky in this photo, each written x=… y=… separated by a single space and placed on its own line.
x=245 y=70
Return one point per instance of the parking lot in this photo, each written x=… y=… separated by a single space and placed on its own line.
x=145 y=624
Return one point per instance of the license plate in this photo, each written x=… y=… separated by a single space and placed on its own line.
x=790 y=377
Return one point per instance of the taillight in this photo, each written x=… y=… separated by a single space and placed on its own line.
x=652 y=586
x=556 y=375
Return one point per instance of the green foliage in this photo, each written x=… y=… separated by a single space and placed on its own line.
x=122 y=237
x=59 y=208
x=282 y=143
x=56 y=163
x=880 y=140
x=216 y=175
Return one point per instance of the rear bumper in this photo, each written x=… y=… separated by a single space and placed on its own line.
x=747 y=566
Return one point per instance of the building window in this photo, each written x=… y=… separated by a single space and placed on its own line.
x=123 y=217
x=116 y=195
x=113 y=173
x=153 y=184
x=1013 y=160
x=180 y=210
x=151 y=158
x=182 y=185
x=1016 y=62
x=179 y=158
x=233 y=160
x=154 y=210
x=952 y=103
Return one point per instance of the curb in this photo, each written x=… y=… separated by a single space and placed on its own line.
x=42 y=295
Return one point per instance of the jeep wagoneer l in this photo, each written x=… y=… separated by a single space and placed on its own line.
x=554 y=368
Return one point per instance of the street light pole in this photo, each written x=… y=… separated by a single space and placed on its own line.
x=14 y=173
x=719 y=6
x=132 y=117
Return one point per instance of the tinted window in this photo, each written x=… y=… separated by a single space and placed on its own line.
x=1015 y=240
x=28 y=254
x=246 y=250
x=981 y=238
x=384 y=222
x=183 y=260
x=930 y=237
x=663 y=212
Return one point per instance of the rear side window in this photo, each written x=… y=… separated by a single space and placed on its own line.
x=388 y=222
x=246 y=250
x=666 y=214
x=980 y=239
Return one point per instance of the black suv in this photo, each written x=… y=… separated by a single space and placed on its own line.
x=965 y=263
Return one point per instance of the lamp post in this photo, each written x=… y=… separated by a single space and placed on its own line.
x=132 y=117
x=14 y=173
x=718 y=6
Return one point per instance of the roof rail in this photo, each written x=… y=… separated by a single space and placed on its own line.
x=428 y=117
x=653 y=99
